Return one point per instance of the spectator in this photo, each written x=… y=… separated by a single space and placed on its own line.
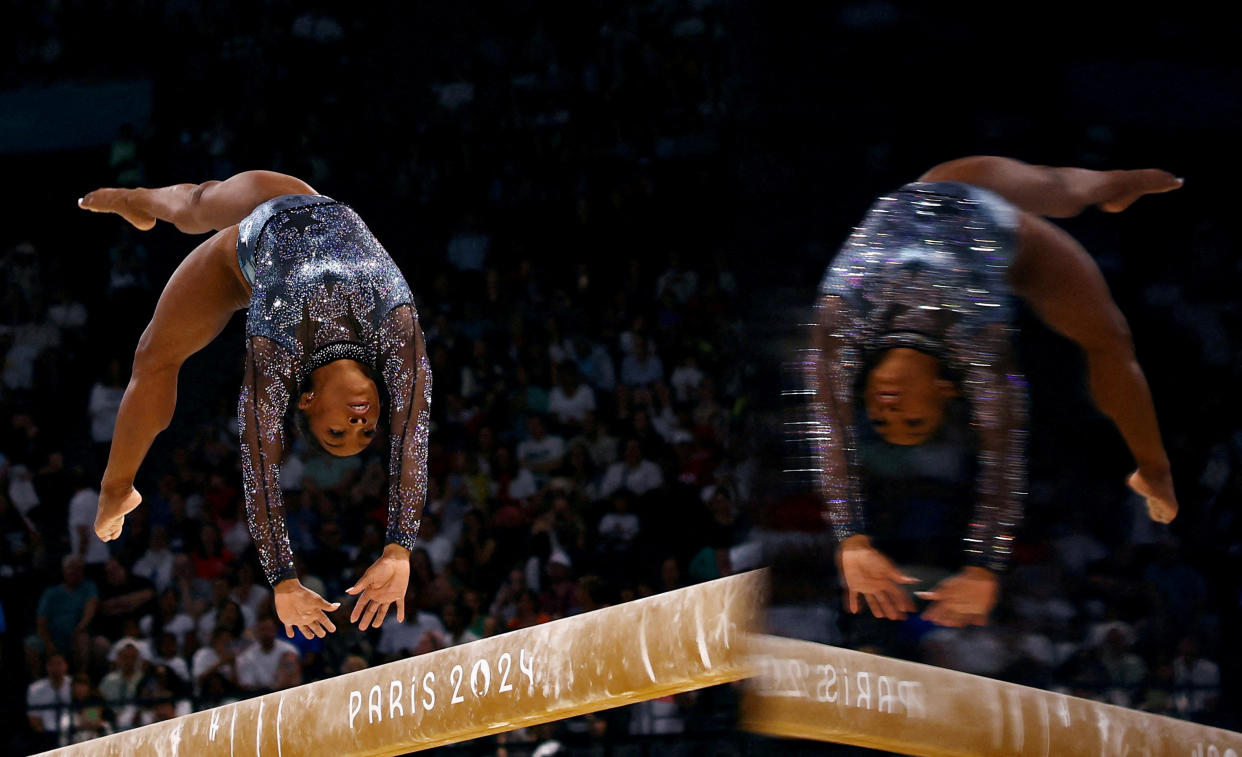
x=122 y=598
x=253 y=597
x=119 y=688
x=64 y=614
x=168 y=618
x=602 y=446
x=156 y=564
x=642 y=367
x=541 y=452
x=570 y=400
x=686 y=378
x=105 y=401
x=527 y=612
x=414 y=636
x=634 y=473
x=82 y=539
x=90 y=719
x=1196 y=681
x=268 y=663
x=48 y=701
x=211 y=557
x=214 y=667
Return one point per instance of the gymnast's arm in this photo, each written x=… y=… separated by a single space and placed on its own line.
x=1051 y=191
x=407 y=376
x=270 y=381
x=830 y=377
x=1059 y=280
x=195 y=208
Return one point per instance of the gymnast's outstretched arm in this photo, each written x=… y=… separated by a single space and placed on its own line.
x=1051 y=191
x=195 y=208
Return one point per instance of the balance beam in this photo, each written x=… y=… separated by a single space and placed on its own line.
x=665 y=644
x=812 y=691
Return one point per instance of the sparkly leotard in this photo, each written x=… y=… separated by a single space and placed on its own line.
x=323 y=290
x=925 y=270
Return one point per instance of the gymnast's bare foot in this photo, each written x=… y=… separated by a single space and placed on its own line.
x=117 y=201
x=1157 y=488
x=1134 y=184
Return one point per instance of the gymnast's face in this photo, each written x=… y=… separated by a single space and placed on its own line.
x=905 y=397
x=342 y=407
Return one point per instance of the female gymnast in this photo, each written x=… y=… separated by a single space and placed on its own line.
x=915 y=309
x=329 y=315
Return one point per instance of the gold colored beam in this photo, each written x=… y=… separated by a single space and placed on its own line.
x=812 y=691
x=653 y=647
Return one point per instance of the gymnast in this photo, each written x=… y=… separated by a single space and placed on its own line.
x=915 y=309
x=330 y=316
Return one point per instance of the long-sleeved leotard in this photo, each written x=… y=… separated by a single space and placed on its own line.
x=323 y=290
x=925 y=270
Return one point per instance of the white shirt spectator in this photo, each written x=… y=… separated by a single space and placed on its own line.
x=42 y=693
x=257 y=668
x=620 y=526
x=439 y=551
x=156 y=565
x=82 y=508
x=640 y=479
x=104 y=404
x=400 y=639
x=685 y=380
x=252 y=598
x=203 y=661
x=179 y=626
x=176 y=665
x=571 y=408
x=534 y=451
x=1199 y=682
x=523 y=485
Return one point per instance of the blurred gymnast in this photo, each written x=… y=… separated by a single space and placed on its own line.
x=916 y=309
x=330 y=315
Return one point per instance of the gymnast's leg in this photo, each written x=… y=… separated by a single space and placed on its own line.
x=195 y=208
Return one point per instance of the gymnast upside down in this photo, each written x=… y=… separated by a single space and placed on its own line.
x=916 y=308
x=330 y=315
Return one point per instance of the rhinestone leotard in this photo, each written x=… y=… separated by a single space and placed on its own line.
x=324 y=289
x=926 y=269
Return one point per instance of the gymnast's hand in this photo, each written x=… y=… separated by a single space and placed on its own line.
x=114 y=503
x=299 y=607
x=964 y=599
x=384 y=582
x=869 y=573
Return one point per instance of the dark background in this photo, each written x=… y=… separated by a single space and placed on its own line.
x=738 y=135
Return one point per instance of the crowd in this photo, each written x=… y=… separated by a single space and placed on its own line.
x=588 y=442
x=557 y=189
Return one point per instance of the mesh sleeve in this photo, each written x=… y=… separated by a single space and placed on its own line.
x=270 y=382
x=407 y=376
x=830 y=370
x=998 y=397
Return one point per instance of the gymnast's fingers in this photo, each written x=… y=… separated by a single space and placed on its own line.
x=383 y=613
x=359 y=606
x=323 y=620
x=289 y=630
x=369 y=615
x=306 y=632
